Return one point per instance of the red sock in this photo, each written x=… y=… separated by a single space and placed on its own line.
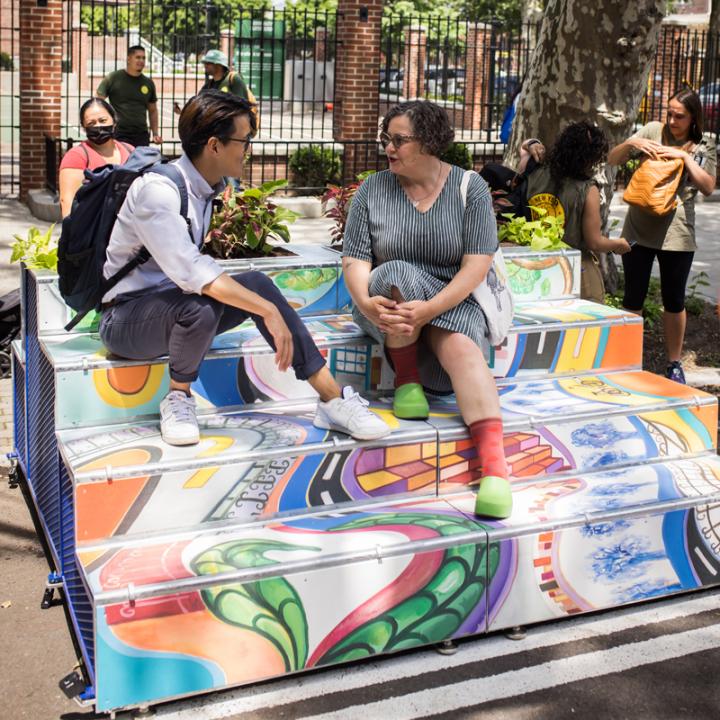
x=487 y=436
x=404 y=361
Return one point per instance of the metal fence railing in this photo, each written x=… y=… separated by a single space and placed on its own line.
x=473 y=69
x=287 y=57
x=9 y=98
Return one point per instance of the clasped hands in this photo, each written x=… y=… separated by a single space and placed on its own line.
x=656 y=151
x=397 y=318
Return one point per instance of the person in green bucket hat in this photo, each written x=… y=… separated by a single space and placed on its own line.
x=220 y=77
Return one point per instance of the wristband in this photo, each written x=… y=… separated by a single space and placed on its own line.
x=531 y=142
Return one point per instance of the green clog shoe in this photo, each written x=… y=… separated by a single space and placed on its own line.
x=410 y=402
x=494 y=498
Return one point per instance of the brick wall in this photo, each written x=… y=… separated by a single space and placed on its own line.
x=40 y=80
x=357 y=71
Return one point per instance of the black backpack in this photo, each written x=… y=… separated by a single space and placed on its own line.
x=508 y=189
x=86 y=231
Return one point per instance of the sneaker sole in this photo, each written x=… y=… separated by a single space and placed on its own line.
x=179 y=442
x=335 y=428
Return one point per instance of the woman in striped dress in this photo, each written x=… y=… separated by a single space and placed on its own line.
x=413 y=253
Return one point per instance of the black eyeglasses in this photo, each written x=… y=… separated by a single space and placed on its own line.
x=397 y=140
x=247 y=140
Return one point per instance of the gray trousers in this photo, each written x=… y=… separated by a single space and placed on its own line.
x=183 y=326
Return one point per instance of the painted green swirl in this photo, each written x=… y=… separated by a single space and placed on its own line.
x=435 y=612
x=270 y=607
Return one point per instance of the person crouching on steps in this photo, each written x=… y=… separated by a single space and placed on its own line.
x=178 y=301
x=412 y=255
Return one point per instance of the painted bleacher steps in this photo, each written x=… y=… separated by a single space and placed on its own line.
x=181 y=564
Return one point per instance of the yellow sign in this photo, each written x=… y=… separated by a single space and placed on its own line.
x=549 y=203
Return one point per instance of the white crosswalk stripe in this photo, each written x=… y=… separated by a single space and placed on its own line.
x=447 y=697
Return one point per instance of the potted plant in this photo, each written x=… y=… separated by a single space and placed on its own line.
x=38 y=251
x=544 y=232
x=336 y=205
x=244 y=222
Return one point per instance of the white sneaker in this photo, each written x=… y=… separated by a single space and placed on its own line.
x=178 y=422
x=349 y=414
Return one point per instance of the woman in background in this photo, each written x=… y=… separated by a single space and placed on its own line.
x=97 y=118
x=669 y=238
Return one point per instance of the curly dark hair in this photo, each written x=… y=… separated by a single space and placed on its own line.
x=579 y=149
x=430 y=124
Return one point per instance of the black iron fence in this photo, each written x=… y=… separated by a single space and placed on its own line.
x=287 y=57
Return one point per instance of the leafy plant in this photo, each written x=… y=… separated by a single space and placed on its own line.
x=543 y=233
x=246 y=221
x=458 y=154
x=38 y=251
x=6 y=62
x=694 y=303
x=336 y=204
x=315 y=167
x=652 y=310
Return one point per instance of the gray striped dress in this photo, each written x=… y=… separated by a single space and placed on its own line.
x=420 y=253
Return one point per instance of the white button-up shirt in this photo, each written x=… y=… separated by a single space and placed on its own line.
x=150 y=216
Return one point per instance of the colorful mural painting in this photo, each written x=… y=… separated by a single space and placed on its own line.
x=190 y=569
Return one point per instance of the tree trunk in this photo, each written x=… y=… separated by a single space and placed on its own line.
x=710 y=66
x=714 y=26
x=591 y=63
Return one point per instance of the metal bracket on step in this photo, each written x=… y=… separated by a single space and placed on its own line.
x=14 y=471
x=131 y=594
x=108 y=473
x=74 y=687
x=144 y=711
x=85 y=366
x=378 y=554
x=54 y=582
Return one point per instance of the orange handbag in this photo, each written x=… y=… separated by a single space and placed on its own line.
x=654 y=185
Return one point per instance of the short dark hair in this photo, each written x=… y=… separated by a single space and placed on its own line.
x=430 y=124
x=135 y=49
x=691 y=102
x=579 y=149
x=211 y=114
x=96 y=101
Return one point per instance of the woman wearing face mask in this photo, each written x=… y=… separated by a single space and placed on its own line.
x=98 y=120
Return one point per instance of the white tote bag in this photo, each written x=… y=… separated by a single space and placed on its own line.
x=493 y=294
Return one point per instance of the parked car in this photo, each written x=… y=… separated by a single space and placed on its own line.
x=391 y=81
x=710 y=98
x=445 y=82
x=505 y=85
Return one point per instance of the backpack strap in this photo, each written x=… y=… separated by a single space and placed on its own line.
x=172 y=173
x=464 y=184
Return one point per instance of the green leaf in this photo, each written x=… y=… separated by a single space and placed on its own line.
x=252 y=239
x=271 y=186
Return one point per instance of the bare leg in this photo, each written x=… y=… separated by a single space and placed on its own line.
x=183 y=386
x=674 y=328
x=471 y=378
x=325 y=384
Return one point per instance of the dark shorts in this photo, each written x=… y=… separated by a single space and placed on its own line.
x=674 y=271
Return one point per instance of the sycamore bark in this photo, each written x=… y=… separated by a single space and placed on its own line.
x=591 y=63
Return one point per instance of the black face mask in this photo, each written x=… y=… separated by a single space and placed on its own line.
x=100 y=134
